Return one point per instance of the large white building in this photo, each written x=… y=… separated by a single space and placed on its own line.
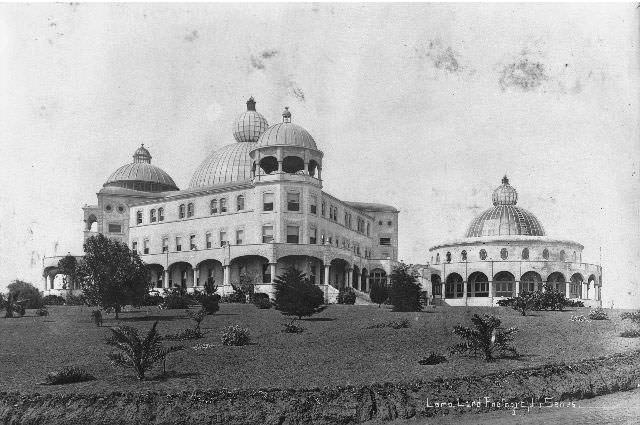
x=253 y=207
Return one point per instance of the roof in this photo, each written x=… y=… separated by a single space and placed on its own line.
x=505 y=220
x=287 y=134
x=230 y=163
x=142 y=172
x=369 y=206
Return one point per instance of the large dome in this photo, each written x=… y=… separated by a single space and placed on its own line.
x=287 y=134
x=141 y=175
x=505 y=218
x=230 y=163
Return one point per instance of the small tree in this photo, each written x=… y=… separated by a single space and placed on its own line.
x=405 y=289
x=25 y=293
x=379 y=293
x=487 y=337
x=295 y=295
x=525 y=301
x=245 y=286
x=112 y=276
x=68 y=267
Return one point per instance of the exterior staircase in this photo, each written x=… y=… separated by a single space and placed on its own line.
x=362 y=298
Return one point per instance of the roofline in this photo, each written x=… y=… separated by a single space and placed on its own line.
x=200 y=191
x=504 y=239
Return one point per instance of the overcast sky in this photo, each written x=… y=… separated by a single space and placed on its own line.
x=424 y=107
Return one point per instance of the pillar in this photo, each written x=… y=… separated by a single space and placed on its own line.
x=196 y=275
x=327 y=268
x=349 y=278
x=517 y=288
x=465 y=291
x=442 y=290
x=491 y=289
x=567 y=288
x=49 y=282
x=165 y=282
x=272 y=270
x=226 y=275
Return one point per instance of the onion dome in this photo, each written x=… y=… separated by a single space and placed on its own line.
x=141 y=175
x=505 y=218
x=287 y=134
x=250 y=124
x=230 y=163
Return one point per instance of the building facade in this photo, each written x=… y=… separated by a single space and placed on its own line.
x=253 y=208
x=506 y=251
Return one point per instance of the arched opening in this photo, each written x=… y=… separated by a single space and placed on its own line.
x=525 y=254
x=355 y=278
x=92 y=223
x=312 y=267
x=591 y=283
x=377 y=276
x=463 y=255
x=363 y=280
x=436 y=286
x=557 y=282
x=478 y=285
x=269 y=164
x=448 y=257
x=338 y=273
x=313 y=167
x=483 y=254
x=575 y=286
x=563 y=255
x=250 y=269
x=545 y=254
x=156 y=275
x=292 y=164
x=530 y=282
x=50 y=274
x=180 y=275
x=210 y=271
x=453 y=286
x=504 y=283
x=438 y=258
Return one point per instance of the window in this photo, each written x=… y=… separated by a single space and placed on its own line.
x=545 y=254
x=152 y=216
x=267 y=202
x=389 y=223
x=192 y=242
x=160 y=214
x=134 y=246
x=223 y=205
x=145 y=246
x=368 y=228
x=267 y=234
x=385 y=241
x=293 y=233
x=525 y=254
x=207 y=239
x=438 y=258
x=313 y=235
x=165 y=244
x=181 y=211
x=139 y=217
x=240 y=202
x=178 y=243
x=323 y=208
x=504 y=289
x=213 y=206
x=108 y=208
x=575 y=257
x=223 y=238
x=346 y=218
x=563 y=255
x=483 y=254
x=504 y=254
x=239 y=236
x=189 y=209
x=293 y=201
x=115 y=228
x=464 y=255
x=266 y=273
x=378 y=277
x=313 y=204
x=448 y=257
x=313 y=274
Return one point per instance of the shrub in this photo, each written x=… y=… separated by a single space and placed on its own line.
x=75 y=300
x=433 y=358
x=525 y=301
x=235 y=335
x=96 y=315
x=487 y=337
x=261 y=300
x=139 y=354
x=53 y=300
x=68 y=375
x=210 y=286
x=346 y=296
x=42 y=312
x=13 y=308
x=210 y=303
x=634 y=317
x=575 y=303
x=296 y=295
x=405 y=290
x=189 y=333
x=176 y=299
x=245 y=287
x=152 y=299
x=237 y=297
x=26 y=294
x=598 y=314
x=395 y=324
x=292 y=328
x=578 y=318
x=379 y=293
x=630 y=333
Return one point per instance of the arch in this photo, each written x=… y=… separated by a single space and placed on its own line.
x=338 y=269
x=249 y=267
x=504 y=283
x=50 y=273
x=156 y=275
x=478 y=285
x=436 y=286
x=483 y=254
x=525 y=254
x=575 y=285
x=210 y=269
x=292 y=164
x=180 y=274
x=269 y=164
x=313 y=167
x=557 y=281
x=92 y=223
x=453 y=287
x=531 y=281
x=310 y=265
x=363 y=280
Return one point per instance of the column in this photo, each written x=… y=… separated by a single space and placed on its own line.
x=349 y=278
x=491 y=289
x=165 y=282
x=465 y=291
x=49 y=282
x=306 y=167
x=272 y=270
x=326 y=273
x=196 y=275
x=225 y=275
x=567 y=288
x=442 y=290
x=517 y=288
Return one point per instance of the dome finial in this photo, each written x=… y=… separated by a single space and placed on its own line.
x=286 y=115
x=251 y=104
x=505 y=179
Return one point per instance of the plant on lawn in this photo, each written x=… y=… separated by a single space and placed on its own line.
x=68 y=375
x=152 y=299
x=598 y=314
x=139 y=354
x=634 y=317
x=296 y=295
x=25 y=293
x=75 y=300
x=111 y=275
x=579 y=318
x=405 y=290
x=96 y=315
x=235 y=335
x=433 y=358
x=190 y=333
x=346 y=296
x=379 y=293
x=209 y=300
x=13 y=308
x=292 y=328
x=53 y=300
x=176 y=299
x=525 y=301
x=243 y=289
x=42 y=311
x=261 y=300
x=548 y=299
x=486 y=337
x=395 y=324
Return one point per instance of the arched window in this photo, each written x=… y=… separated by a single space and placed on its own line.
x=438 y=258
x=483 y=254
x=223 y=205
x=504 y=254
x=213 y=206
x=181 y=211
x=152 y=216
x=160 y=214
x=563 y=255
x=448 y=257
x=240 y=202
x=525 y=254
x=575 y=257
x=464 y=255
x=545 y=254
x=378 y=276
x=139 y=217
x=292 y=164
x=190 y=209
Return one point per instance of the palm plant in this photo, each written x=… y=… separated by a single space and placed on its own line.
x=137 y=353
x=487 y=337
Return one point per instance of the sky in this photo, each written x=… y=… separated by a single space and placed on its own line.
x=421 y=106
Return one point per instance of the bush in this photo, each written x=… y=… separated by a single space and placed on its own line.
x=13 y=308
x=379 y=293
x=26 y=294
x=292 y=328
x=395 y=324
x=296 y=295
x=68 y=375
x=236 y=297
x=433 y=358
x=152 y=299
x=53 y=300
x=575 y=303
x=235 y=336
x=96 y=315
x=176 y=299
x=634 y=317
x=630 y=333
x=42 y=312
x=184 y=335
x=75 y=300
x=487 y=337
x=578 y=318
x=346 y=296
x=405 y=290
x=210 y=303
x=261 y=300
x=598 y=314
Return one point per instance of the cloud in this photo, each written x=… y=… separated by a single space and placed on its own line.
x=258 y=62
x=192 y=36
x=524 y=73
x=443 y=58
x=297 y=92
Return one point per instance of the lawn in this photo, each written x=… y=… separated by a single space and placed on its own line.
x=335 y=350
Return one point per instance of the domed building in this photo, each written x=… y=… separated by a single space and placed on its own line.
x=505 y=251
x=253 y=208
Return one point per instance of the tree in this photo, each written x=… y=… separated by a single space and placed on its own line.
x=296 y=295
x=523 y=302
x=68 y=267
x=111 y=275
x=487 y=337
x=405 y=289
x=379 y=293
x=25 y=293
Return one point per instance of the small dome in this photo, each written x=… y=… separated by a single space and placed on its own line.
x=230 y=163
x=142 y=155
x=287 y=134
x=250 y=124
x=141 y=175
x=505 y=194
